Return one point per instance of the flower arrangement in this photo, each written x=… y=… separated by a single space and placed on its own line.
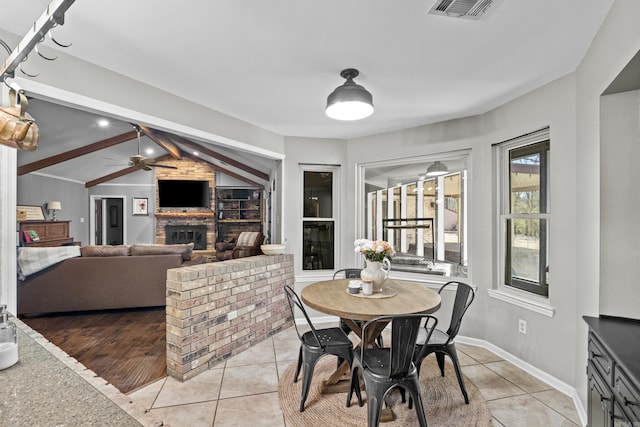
x=374 y=250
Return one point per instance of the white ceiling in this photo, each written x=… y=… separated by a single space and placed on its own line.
x=273 y=63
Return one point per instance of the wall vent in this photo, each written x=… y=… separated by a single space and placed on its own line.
x=468 y=9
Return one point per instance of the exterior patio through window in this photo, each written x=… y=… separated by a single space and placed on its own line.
x=424 y=220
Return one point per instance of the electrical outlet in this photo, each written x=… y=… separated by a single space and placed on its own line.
x=522 y=326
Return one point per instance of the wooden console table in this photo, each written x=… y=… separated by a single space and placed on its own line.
x=50 y=233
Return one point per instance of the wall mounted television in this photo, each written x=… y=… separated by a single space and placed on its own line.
x=181 y=193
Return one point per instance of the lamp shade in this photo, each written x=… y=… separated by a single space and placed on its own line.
x=55 y=205
x=349 y=101
x=437 y=169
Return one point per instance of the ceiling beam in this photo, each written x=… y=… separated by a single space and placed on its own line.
x=162 y=140
x=228 y=160
x=111 y=176
x=223 y=170
x=120 y=173
x=72 y=154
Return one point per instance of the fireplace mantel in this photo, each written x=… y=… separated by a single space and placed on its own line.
x=184 y=215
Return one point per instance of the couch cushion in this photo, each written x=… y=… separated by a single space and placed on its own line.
x=154 y=249
x=100 y=250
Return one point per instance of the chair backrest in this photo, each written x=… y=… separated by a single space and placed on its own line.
x=347 y=273
x=464 y=298
x=404 y=333
x=250 y=238
x=294 y=301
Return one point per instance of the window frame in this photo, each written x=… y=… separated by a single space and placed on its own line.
x=418 y=166
x=520 y=295
x=335 y=209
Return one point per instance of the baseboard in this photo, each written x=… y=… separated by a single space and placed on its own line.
x=525 y=366
x=561 y=386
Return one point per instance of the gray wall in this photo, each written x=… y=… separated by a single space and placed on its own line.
x=620 y=204
x=37 y=190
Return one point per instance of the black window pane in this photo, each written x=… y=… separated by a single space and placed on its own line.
x=317 y=245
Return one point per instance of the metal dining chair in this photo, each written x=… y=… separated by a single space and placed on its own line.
x=352 y=273
x=314 y=344
x=385 y=368
x=442 y=343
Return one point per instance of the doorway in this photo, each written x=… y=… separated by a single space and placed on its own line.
x=106 y=220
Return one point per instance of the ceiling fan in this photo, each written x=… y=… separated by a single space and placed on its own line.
x=145 y=163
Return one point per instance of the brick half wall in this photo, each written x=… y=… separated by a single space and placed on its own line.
x=219 y=309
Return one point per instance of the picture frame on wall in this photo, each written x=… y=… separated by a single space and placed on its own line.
x=140 y=206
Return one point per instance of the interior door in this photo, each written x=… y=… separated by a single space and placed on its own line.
x=113 y=222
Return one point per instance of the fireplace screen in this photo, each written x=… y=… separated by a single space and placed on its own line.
x=196 y=234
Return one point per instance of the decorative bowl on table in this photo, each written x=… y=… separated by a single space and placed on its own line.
x=272 y=249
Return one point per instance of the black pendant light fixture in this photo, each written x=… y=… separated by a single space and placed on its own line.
x=349 y=101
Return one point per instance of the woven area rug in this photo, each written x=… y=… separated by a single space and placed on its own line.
x=442 y=399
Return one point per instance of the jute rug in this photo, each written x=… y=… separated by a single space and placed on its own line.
x=442 y=400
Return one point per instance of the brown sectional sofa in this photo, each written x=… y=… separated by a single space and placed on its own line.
x=104 y=277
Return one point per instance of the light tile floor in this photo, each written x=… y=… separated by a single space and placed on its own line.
x=243 y=391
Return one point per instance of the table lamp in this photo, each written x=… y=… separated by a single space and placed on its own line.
x=54 y=206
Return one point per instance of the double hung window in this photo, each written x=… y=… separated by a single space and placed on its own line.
x=525 y=212
x=319 y=207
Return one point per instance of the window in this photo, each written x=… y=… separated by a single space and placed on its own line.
x=320 y=196
x=423 y=218
x=524 y=213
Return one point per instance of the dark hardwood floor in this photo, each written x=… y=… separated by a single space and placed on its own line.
x=125 y=347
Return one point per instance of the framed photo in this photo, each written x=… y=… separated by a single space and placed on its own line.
x=140 y=206
x=29 y=213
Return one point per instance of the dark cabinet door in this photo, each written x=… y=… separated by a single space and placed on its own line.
x=599 y=405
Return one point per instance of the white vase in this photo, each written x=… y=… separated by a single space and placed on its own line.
x=376 y=273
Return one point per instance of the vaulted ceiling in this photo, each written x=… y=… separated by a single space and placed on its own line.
x=273 y=63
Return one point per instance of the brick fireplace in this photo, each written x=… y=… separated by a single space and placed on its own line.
x=179 y=225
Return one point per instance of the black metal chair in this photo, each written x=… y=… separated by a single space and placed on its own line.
x=315 y=344
x=442 y=343
x=386 y=368
x=352 y=273
x=347 y=273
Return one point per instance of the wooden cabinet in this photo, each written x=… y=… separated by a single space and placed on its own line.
x=238 y=209
x=613 y=370
x=50 y=233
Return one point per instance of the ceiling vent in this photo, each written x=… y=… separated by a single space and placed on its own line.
x=468 y=9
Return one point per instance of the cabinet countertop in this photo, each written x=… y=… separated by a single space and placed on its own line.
x=43 y=390
x=621 y=337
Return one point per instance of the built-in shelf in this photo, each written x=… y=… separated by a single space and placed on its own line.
x=184 y=214
x=238 y=209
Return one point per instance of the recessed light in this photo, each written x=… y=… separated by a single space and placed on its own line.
x=103 y=123
x=195 y=153
x=148 y=151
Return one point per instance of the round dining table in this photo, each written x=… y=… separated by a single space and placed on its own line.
x=398 y=297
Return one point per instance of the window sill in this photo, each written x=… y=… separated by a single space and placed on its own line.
x=523 y=302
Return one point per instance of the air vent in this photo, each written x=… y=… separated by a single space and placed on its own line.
x=468 y=9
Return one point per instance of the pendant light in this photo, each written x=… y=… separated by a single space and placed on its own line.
x=349 y=101
x=437 y=169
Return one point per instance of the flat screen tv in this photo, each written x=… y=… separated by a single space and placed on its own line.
x=181 y=193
